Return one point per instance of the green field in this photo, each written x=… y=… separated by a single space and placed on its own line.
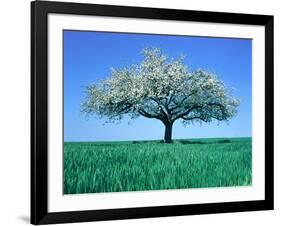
x=91 y=167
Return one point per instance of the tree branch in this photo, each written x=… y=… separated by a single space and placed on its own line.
x=186 y=112
x=163 y=109
x=194 y=117
x=178 y=105
x=148 y=115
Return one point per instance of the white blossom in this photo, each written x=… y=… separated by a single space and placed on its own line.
x=163 y=89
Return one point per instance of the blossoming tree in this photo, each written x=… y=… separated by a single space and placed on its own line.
x=161 y=88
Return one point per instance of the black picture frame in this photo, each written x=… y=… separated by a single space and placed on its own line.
x=39 y=112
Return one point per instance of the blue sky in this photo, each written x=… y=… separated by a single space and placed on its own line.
x=88 y=57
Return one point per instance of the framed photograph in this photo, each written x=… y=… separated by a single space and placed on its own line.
x=144 y=112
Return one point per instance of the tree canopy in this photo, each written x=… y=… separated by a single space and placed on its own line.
x=161 y=88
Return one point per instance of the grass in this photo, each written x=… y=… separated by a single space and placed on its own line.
x=91 y=167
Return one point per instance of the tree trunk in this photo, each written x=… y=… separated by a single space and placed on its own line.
x=168 y=133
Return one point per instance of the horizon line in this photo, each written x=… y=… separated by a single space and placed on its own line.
x=195 y=138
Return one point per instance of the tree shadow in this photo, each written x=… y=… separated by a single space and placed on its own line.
x=147 y=141
x=204 y=142
x=222 y=141
x=191 y=142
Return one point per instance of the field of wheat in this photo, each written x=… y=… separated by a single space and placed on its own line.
x=94 y=167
